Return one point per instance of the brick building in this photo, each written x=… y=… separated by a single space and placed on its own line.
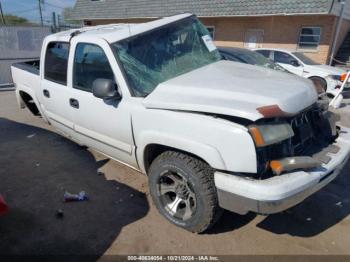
x=308 y=26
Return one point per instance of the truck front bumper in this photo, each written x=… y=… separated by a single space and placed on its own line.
x=243 y=194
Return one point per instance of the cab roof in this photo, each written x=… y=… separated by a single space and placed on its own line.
x=115 y=32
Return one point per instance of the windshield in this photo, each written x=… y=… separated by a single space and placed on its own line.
x=255 y=58
x=305 y=59
x=164 y=53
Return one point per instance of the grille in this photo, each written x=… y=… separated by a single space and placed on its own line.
x=302 y=125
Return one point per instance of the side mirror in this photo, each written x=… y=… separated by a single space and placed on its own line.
x=295 y=63
x=105 y=89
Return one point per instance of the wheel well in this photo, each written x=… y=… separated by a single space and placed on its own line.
x=319 y=87
x=29 y=102
x=153 y=150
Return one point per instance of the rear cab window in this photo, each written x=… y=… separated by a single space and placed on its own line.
x=56 y=62
x=265 y=53
x=283 y=58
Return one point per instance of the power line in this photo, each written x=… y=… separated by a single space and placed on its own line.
x=46 y=3
x=21 y=11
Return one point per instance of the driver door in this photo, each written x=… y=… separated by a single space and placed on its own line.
x=104 y=125
x=288 y=62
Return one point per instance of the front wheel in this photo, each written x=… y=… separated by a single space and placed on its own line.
x=183 y=190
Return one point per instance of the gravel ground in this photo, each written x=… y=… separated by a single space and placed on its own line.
x=38 y=166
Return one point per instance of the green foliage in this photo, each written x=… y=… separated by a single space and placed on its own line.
x=14 y=20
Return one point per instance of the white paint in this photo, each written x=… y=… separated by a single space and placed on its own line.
x=235 y=89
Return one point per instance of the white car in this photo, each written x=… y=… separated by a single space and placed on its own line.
x=326 y=77
x=159 y=98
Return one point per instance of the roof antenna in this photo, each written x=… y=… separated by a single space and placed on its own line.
x=74 y=33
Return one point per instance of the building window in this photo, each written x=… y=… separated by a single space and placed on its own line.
x=310 y=38
x=211 y=30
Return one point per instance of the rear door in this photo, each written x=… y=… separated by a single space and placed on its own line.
x=104 y=125
x=54 y=92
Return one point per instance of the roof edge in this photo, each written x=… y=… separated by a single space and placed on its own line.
x=220 y=16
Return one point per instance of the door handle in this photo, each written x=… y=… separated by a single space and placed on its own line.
x=46 y=93
x=74 y=103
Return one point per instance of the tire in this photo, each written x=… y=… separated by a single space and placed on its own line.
x=320 y=83
x=183 y=190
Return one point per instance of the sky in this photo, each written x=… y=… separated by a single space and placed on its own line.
x=29 y=8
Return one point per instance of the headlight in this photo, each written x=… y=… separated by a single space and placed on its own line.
x=269 y=134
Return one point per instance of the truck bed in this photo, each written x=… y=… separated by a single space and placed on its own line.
x=26 y=78
x=31 y=66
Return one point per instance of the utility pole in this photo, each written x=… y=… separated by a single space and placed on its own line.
x=54 y=24
x=339 y=23
x=41 y=13
x=2 y=15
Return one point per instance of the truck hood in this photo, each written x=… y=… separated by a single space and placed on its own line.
x=233 y=89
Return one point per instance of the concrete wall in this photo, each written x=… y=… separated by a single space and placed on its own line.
x=17 y=44
x=276 y=31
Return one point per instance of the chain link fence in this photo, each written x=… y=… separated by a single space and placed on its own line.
x=19 y=43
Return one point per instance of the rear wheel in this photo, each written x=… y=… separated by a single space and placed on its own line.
x=183 y=190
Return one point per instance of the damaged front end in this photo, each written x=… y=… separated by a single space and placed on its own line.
x=299 y=142
x=297 y=156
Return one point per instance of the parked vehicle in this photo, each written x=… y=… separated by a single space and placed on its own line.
x=159 y=98
x=329 y=78
x=247 y=56
x=3 y=206
x=250 y=57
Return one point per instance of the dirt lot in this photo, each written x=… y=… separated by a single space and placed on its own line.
x=38 y=165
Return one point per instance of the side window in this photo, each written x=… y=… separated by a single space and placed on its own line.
x=265 y=53
x=90 y=63
x=283 y=58
x=211 y=30
x=56 y=62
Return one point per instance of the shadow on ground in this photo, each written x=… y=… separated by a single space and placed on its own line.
x=36 y=168
x=230 y=222
x=317 y=213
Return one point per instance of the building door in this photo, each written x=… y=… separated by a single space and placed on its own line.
x=254 y=38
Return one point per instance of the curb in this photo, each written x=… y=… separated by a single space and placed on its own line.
x=7 y=89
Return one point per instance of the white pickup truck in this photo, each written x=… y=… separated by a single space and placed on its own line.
x=210 y=134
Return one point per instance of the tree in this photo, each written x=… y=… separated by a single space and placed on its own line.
x=15 y=20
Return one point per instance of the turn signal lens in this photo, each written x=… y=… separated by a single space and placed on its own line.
x=343 y=77
x=277 y=167
x=257 y=136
